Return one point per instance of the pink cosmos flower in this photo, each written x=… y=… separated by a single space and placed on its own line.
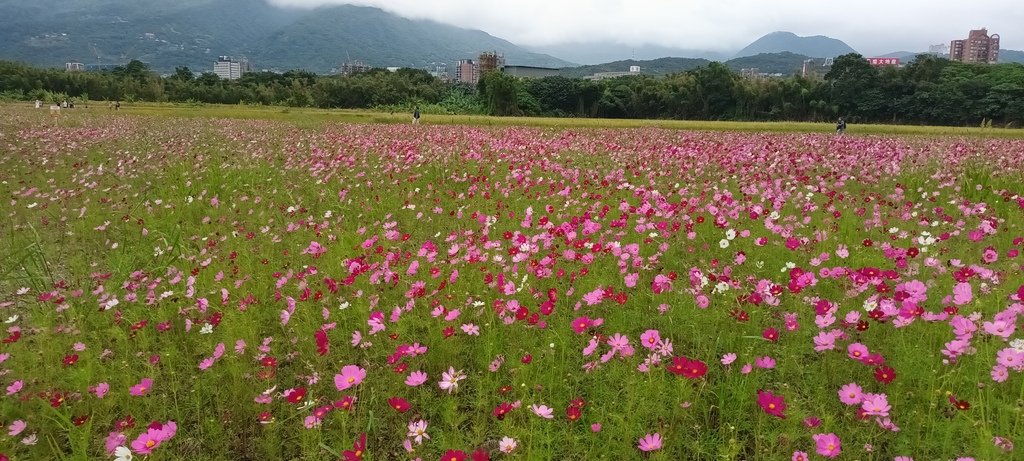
x=142 y=388
x=618 y=342
x=351 y=375
x=1000 y=373
x=416 y=378
x=114 y=440
x=649 y=442
x=876 y=405
x=1000 y=328
x=650 y=339
x=147 y=441
x=962 y=294
x=857 y=351
x=16 y=427
x=450 y=380
x=799 y=456
x=15 y=387
x=101 y=390
x=851 y=394
x=661 y=284
x=824 y=342
x=314 y=249
x=543 y=411
x=828 y=445
x=765 y=362
x=729 y=358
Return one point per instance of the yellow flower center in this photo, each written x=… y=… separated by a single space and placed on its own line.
x=150 y=443
x=771 y=406
x=351 y=380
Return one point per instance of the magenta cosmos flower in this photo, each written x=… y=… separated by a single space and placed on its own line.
x=772 y=404
x=649 y=442
x=351 y=375
x=828 y=445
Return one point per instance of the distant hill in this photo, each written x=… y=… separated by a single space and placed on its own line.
x=904 y=56
x=1011 y=56
x=785 y=63
x=817 y=46
x=661 y=66
x=194 y=32
x=592 y=53
x=769 y=63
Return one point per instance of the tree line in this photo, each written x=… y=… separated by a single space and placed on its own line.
x=928 y=90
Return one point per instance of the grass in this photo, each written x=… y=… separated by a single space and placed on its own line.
x=125 y=202
x=309 y=117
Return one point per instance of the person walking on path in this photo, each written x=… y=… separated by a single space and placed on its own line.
x=841 y=126
x=416 y=116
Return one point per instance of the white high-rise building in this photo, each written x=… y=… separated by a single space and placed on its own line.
x=230 y=68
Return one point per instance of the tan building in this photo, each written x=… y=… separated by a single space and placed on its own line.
x=979 y=47
x=466 y=71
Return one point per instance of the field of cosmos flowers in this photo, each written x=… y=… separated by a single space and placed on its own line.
x=257 y=290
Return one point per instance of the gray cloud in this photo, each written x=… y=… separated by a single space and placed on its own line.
x=870 y=26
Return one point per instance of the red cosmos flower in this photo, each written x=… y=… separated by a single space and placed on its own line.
x=481 y=455
x=268 y=362
x=527 y=359
x=13 y=337
x=771 y=334
x=357 y=451
x=401 y=367
x=79 y=420
x=70 y=359
x=295 y=395
x=772 y=404
x=399 y=404
x=885 y=374
x=126 y=423
x=448 y=331
x=501 y=410
x=322 y=345
x=265 y=418
x=454 y=455
x=961 y=405
x=691 y=369
x=573 y=412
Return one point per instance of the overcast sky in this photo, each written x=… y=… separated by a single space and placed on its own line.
x=869 y=26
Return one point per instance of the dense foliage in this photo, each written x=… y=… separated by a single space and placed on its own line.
x=929 y=90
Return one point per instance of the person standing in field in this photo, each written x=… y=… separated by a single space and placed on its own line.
x=841 y=126
x=416 y=116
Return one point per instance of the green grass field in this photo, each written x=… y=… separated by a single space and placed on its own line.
x=318 y=117
x=270 y=279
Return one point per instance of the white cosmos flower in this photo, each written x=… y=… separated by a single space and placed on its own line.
x=122 y=454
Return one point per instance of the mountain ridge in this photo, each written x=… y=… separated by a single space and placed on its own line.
x=193 y=33
x=815 y=46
